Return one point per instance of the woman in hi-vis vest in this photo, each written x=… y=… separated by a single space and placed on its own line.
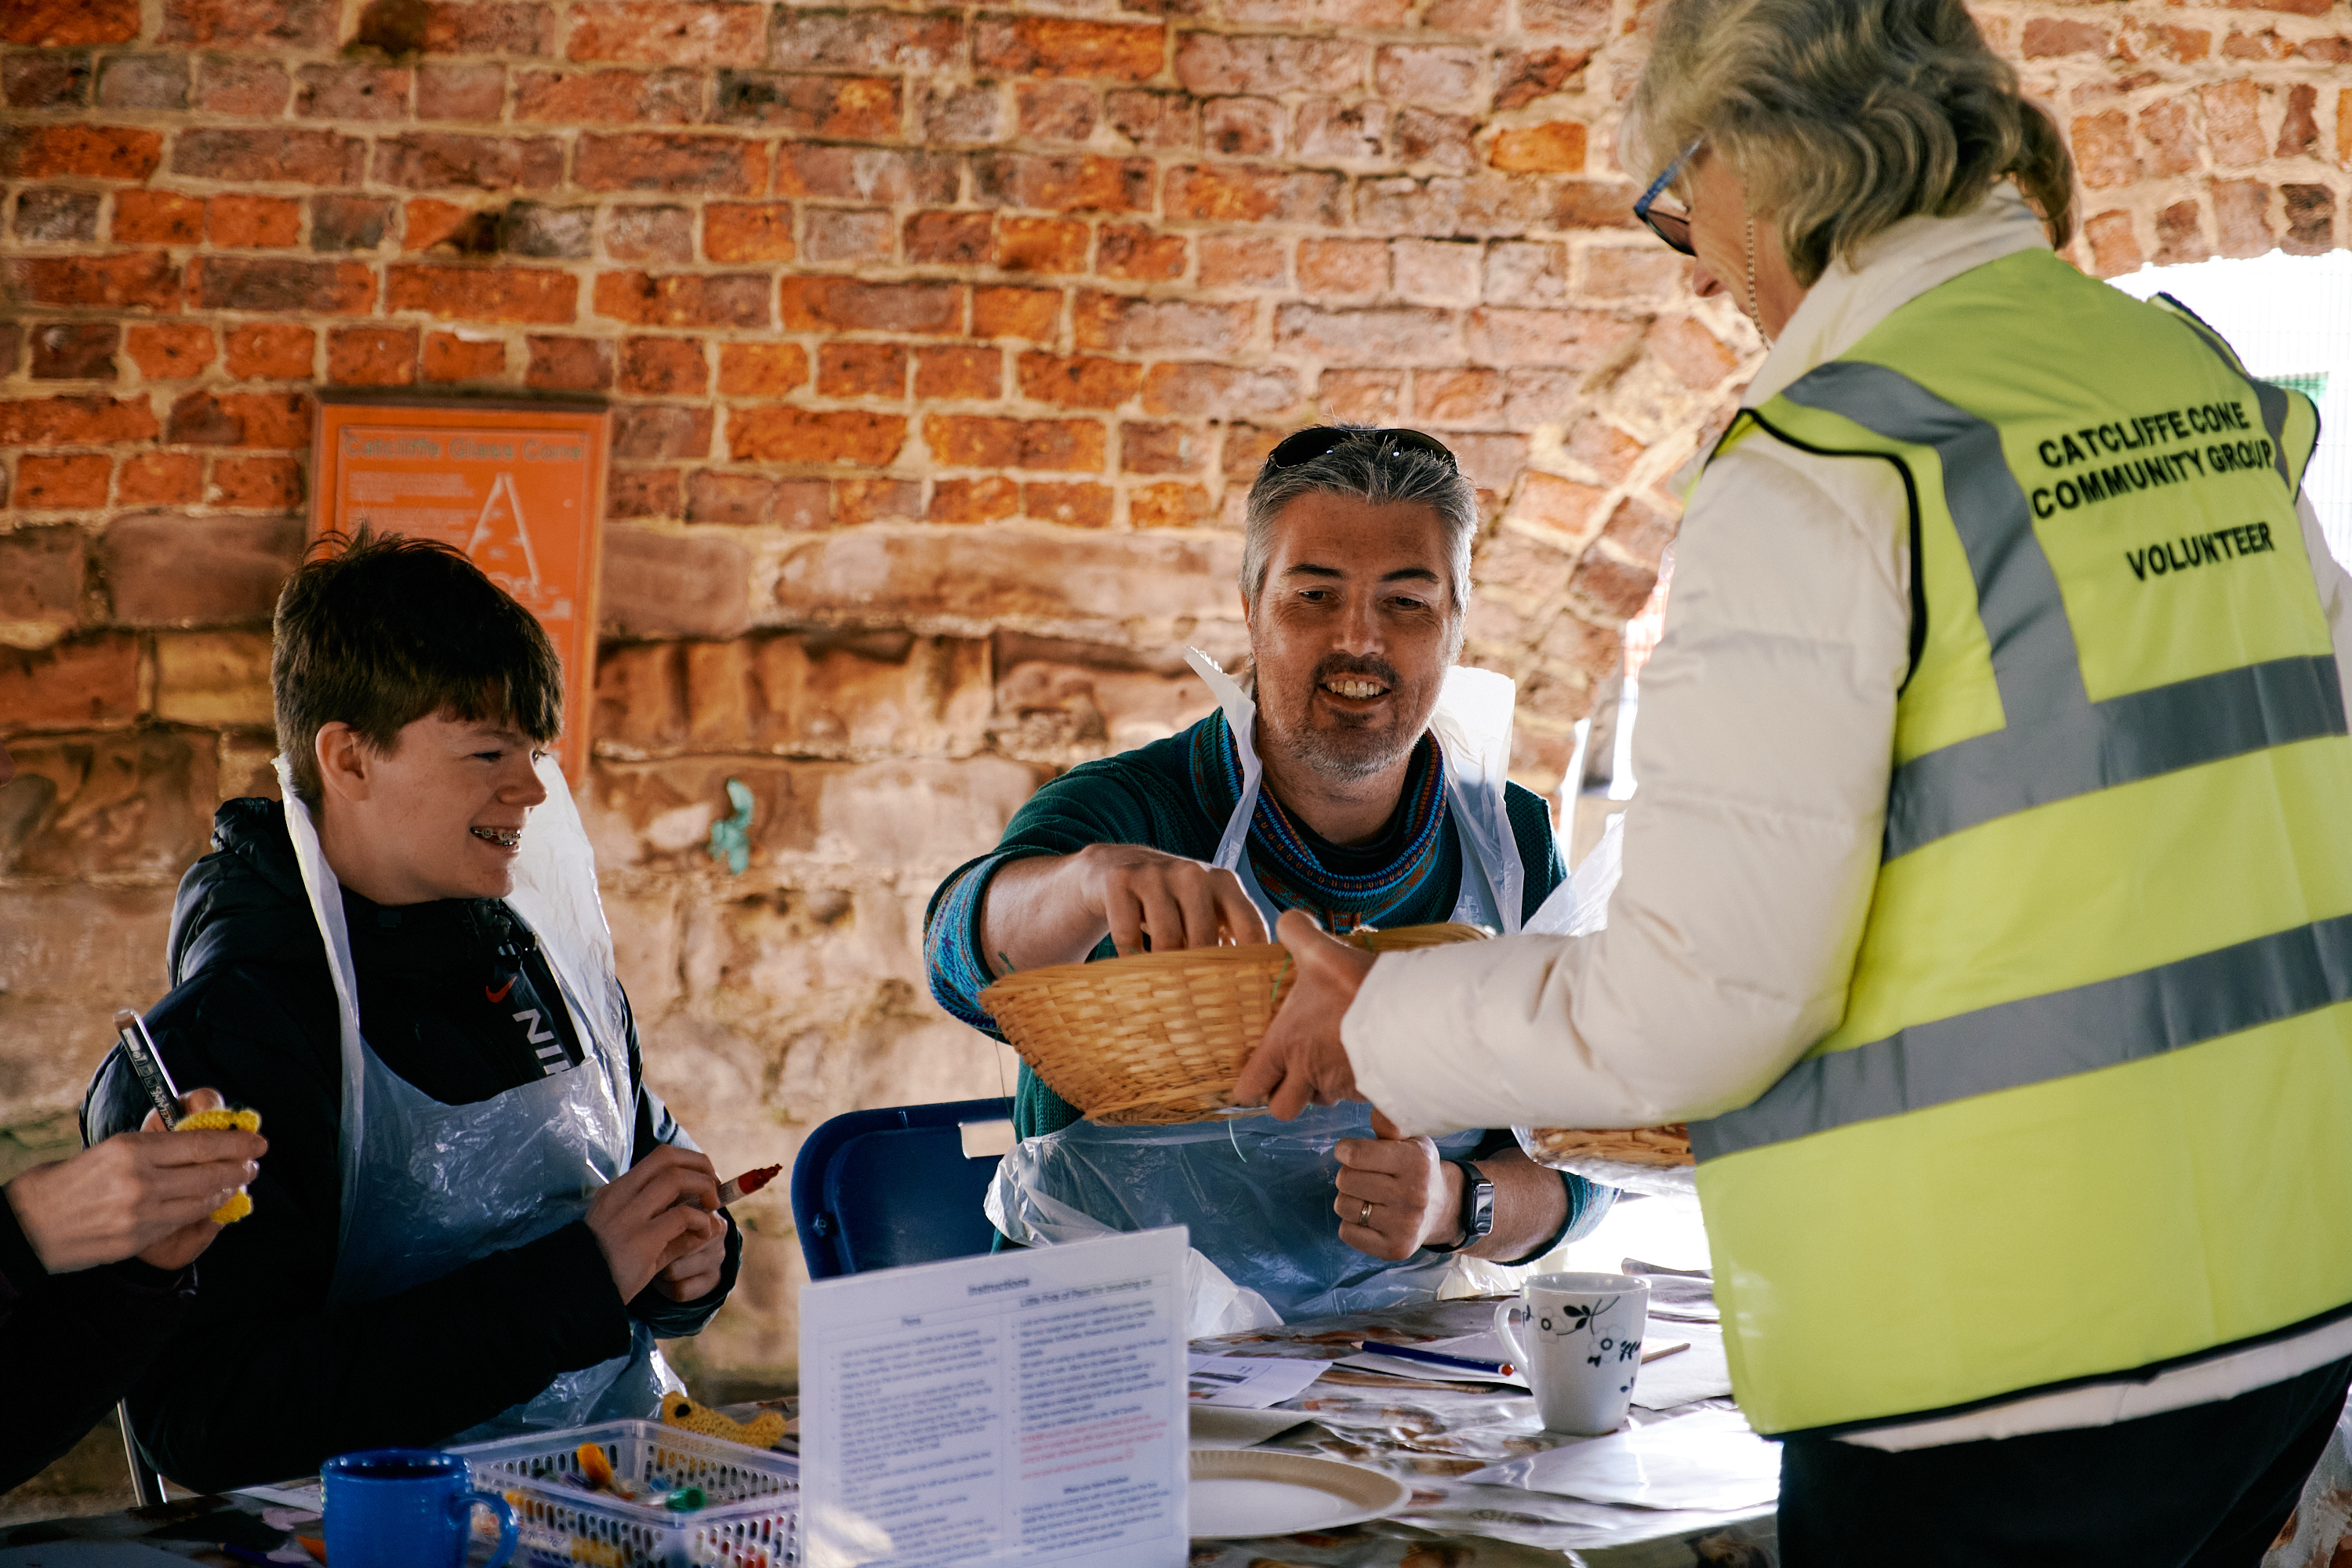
x=1987 y=904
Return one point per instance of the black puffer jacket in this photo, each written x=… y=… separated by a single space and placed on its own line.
x=264 y=1378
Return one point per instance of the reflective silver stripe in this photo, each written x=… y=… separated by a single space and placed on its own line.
x=2042 y=1038
x=2055 y=743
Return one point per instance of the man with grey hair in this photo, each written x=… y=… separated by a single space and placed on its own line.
x=1359 y=781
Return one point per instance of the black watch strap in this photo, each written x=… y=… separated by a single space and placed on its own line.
x=1476 y=1216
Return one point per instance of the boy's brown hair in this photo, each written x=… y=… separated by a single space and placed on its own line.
x=378 y=631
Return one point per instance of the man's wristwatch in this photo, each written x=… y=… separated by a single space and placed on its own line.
x=1477 y=1213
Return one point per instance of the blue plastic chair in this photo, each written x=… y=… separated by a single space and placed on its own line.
x=876 y=1189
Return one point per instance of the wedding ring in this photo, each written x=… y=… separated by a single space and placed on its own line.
x=1365 y=1218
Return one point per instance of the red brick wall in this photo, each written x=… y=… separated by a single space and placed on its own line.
x=942 y=344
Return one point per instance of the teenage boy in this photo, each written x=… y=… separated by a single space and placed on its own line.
x=466 y=1279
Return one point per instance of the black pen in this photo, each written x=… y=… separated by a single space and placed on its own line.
x=131 y=1030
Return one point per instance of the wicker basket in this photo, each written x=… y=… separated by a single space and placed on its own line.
x=1159 y=1037
x=1658 y=1146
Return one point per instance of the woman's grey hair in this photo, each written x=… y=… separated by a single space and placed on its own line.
x=1844 y=117
x=1369 y=470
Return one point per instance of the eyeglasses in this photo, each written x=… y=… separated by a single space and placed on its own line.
x=1672 y=228
x=1310 y=444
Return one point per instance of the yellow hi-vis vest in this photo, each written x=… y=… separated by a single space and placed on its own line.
x=2089 y=1109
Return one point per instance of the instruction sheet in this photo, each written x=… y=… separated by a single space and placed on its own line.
x=1022 y=1408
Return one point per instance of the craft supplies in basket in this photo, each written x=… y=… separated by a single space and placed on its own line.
x=749 y=1518
x=1158 y=1038
x=1654 y=1159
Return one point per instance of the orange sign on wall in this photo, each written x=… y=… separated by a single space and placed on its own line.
x=521 y=489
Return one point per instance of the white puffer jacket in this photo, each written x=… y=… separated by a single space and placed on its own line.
x=1763 y=752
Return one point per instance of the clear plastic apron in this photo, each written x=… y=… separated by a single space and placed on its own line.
x=1256 y=1192
x=427 y=1187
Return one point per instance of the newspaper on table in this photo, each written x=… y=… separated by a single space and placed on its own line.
x=1024 y=1407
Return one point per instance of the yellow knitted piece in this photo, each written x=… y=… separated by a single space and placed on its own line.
x=677 y=1410
x=237 y=1207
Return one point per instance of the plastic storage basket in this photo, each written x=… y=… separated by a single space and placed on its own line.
x=752 y=1519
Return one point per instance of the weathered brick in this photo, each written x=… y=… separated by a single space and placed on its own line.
x=1078 y=381
x=1218 y=391
x=428 y=225
x=1457 y=396
x=1225 y=193
x=86 y=682
x=877 y=174
x=1068 y=505
x=970 y=442
x=868 y=40
x=849 y=304
x=253 y=223
x=2114 y=247
x=1040 y=244
x=1123 y=323
x=2241 y=217
x=1241 y=261
x=43 y=81
x=862 y=369
x=455 y=161
x=1523 y=76
x=568 y=365
x=1068 y=45
x=160 y=478
x=446 y=91
x=1245 y=127
x=1129 y=250
x=255 y=283
x=2103 y=149
x=2175 y=144
x=255 y=89
x=1343 y=267
x=1633 y=272
x=2233 y=129
x=75 y=421
x=272 y=156
x=349 y=91
x=62 y=24
x=649 y=432
x=1555 y=147
x=536 y=229
x=950 y=239
x=1383 y=335
x=371 y=356
x=758 y=500
x=75 y=350
x=2048 y=36
x=1162 y=449
x=349 y=223
x=279 y=420
x=746 y=232
x=684 y=300
x=674 y=586
x=958 y=374
x=46 y=483
x=1209 y=63
x=79 y=152
x=1362 y=396
x=254 y=484
x=987 y=499
x=768 y=434
x=865 y=108
x=1424 y=139
x=1526 y=272
x=250 y=24
x=41 y=578
x=153 y=217
x=1055 y=111
x=482 y=294
x=1153 y=120
x=762 y=369
x=858 y=502
x=169 y=351
x=489 y=27
x=2310 y=219
x=1578 y=339
x=1010 y=312
x=127 y=280
x=655 y=162
x=1614 y=587
x=2299 y=126
x=642 y=492
x=669 y=32
x=164 y=569
x=2181 y=236
x=143 y=82
x=665 y=234
x=608 y=97
x=1689 y=349
x=846 y=234
x=447 y=356
x=1593 y=204
x=1429 y=73
x=1332 y=132
x=1062 y=184
x=1167 y=506
x=664 y=367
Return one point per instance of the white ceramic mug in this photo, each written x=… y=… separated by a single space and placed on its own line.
x=1577 y=1339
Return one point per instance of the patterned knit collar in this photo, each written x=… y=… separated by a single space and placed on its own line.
x=1286 y=864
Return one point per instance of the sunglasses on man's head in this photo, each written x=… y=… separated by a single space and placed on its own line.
x=1671 y=227
x=1308 y=444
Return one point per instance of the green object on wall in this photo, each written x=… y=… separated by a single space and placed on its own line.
x=2313 y=384
x=730 y=836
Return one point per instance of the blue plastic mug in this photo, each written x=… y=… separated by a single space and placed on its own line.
x=406 y=1508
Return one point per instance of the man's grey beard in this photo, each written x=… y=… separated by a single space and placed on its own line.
x=1314 y=747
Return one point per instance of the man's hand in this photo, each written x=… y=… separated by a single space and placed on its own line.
x=1411 y=1196
x=1178 y=903
x=1301 y=1060
x=661 y=1212
x=697 y=1273
x=142 y=1195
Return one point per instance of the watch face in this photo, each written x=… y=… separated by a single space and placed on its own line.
x=1477 y=1203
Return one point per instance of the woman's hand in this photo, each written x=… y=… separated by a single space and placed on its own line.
x=145 y=1194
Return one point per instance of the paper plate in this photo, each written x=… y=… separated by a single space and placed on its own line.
x=1238 y=1493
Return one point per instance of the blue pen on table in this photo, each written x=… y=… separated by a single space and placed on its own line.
x=1435 y=1358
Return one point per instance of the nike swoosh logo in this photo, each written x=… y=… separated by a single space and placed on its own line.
x=500 y=993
